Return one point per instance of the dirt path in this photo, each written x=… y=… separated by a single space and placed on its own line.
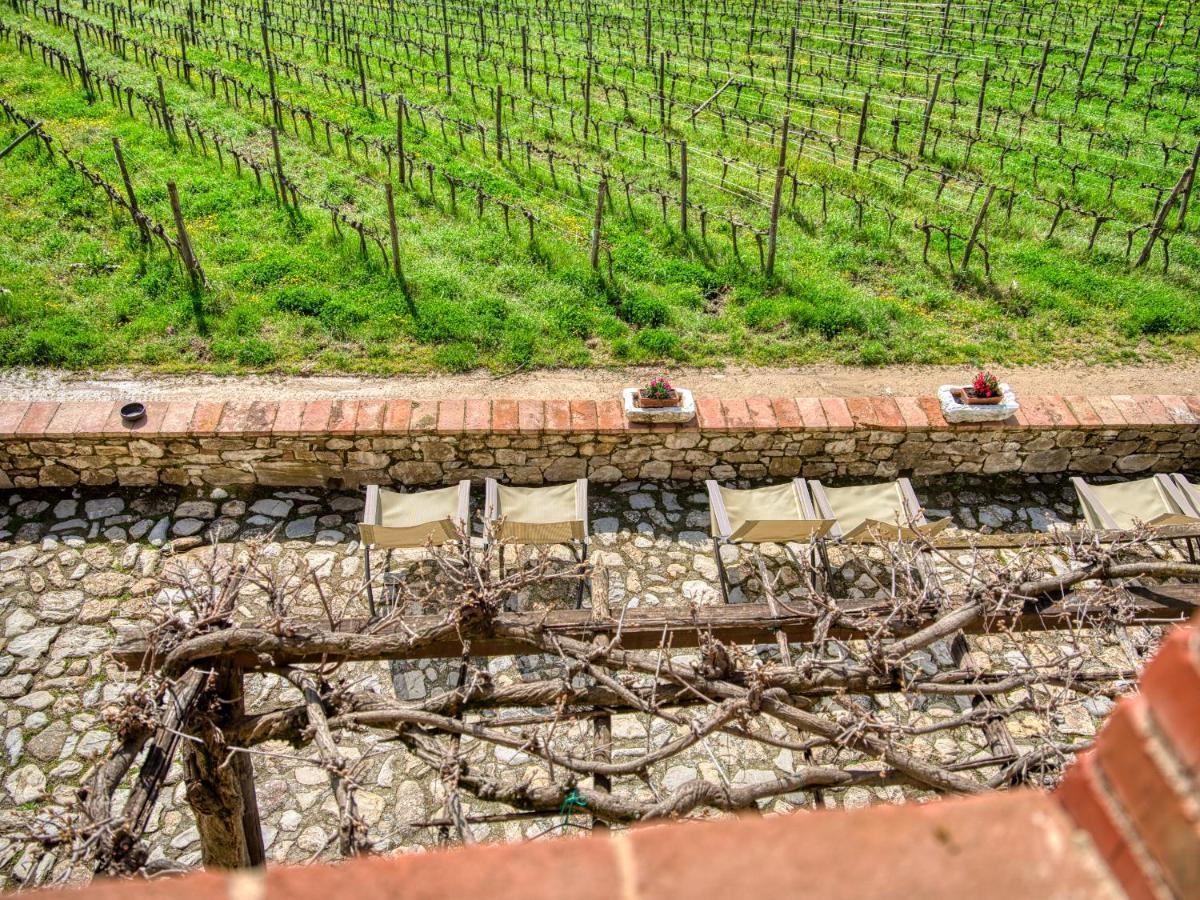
x=733 y=381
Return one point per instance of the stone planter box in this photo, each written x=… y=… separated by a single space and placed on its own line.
x=683 y=411
x=956 y=412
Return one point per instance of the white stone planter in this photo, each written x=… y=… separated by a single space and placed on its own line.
x=955 y=412
x=684 y=412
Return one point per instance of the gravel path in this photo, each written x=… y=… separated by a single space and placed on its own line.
x=594 y=384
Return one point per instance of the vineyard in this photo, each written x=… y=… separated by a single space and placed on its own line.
x=389 y=185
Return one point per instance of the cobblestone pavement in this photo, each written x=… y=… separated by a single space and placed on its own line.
x=76 y=566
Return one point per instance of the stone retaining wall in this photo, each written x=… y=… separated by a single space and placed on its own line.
x=349 y=442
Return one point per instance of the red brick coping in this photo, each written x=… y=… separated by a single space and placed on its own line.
x=292 y=418
x=1124 y=823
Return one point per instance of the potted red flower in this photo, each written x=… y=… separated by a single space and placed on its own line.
x=983 y=391
x=657 y=394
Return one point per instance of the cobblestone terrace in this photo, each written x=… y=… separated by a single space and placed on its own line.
x=74 y=566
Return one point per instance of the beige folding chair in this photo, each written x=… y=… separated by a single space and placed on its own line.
x=556 y=514
x=392 y=521
x=779 y=514
x=1156 y=501
x=884 y=513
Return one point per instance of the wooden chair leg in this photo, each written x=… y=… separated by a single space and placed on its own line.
x=722 y=576
x=367 y=576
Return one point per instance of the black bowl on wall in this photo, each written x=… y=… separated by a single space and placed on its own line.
x=133 y=412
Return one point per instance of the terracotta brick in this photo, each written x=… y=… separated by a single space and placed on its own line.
x=198 y=885
x=11 y=415
x=396 y=416
x=451 y=415
x=233 y=417
x=610 y=417
x=66 y=420
x=812 y=413
x=1171 y=685
x=1059 y=412
x=93 y=421
x=178 y=419
x=423 y=415
x=1033 y=412
x=787 y=414
x=289 y=418
x=343 y=417
x=316 y=417
x=762 y=414
x=1129 y=408
x=861 y=411
x=531 y=416
x=1015 y=844
x=505 y=419
x=477 y=416
x=558 y=416
x=1193 y=403
x=837 y=414
x=1104 y=407
x=1084 y=796
x=1177 y=408
x=933 y=412
x=1082 y=409
x=710 y=414
x=583 y=415
x=206 y=417
x=737 y=415
x=1152 y=411
x=370 y=417
x=149 y=424
x=546 y=870
x=1166 y=821
x=910 y=411
x=37 y=417
x=887 y=413
x=261 y=417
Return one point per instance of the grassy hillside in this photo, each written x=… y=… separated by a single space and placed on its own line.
x=287 y=292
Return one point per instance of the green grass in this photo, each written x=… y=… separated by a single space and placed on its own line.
x=77 y=289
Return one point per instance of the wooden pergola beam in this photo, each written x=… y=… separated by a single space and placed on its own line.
x=648 y=628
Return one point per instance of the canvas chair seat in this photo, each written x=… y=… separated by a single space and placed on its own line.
x=392 y=520
x=868 y=513
x=556 y=514
x=776 y=514
x=1159 y=500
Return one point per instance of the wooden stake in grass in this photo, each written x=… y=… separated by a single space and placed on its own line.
x=937 y=83
x=982 y=96
x=185 y=242
x=683 y=186
x=780 y=171
x=862 y=129
x=279 y=176
x=446 y=47
x=987 y=200
x=499 y=120
x=1187 y=191
x=400 y=136
x=1041 y=73
x=166 y=113
x=30 y=130
x=133 y=203
x=395 y=233
x=1159 y=220
x=84 y=75
x=596 y=222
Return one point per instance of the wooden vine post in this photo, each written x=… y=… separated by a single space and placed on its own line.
x=1156 y=228
x=596 y=222
x=937 y=83
x=279 y=176
x=400 y=161
x=1187 y=191
x=500 y=122
x=780 y=171
x=84 y=74
x=683 y=187
x=185 y=242
x=395 y=235
x=862 y=129
x=987 y=201
x=133 y=204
